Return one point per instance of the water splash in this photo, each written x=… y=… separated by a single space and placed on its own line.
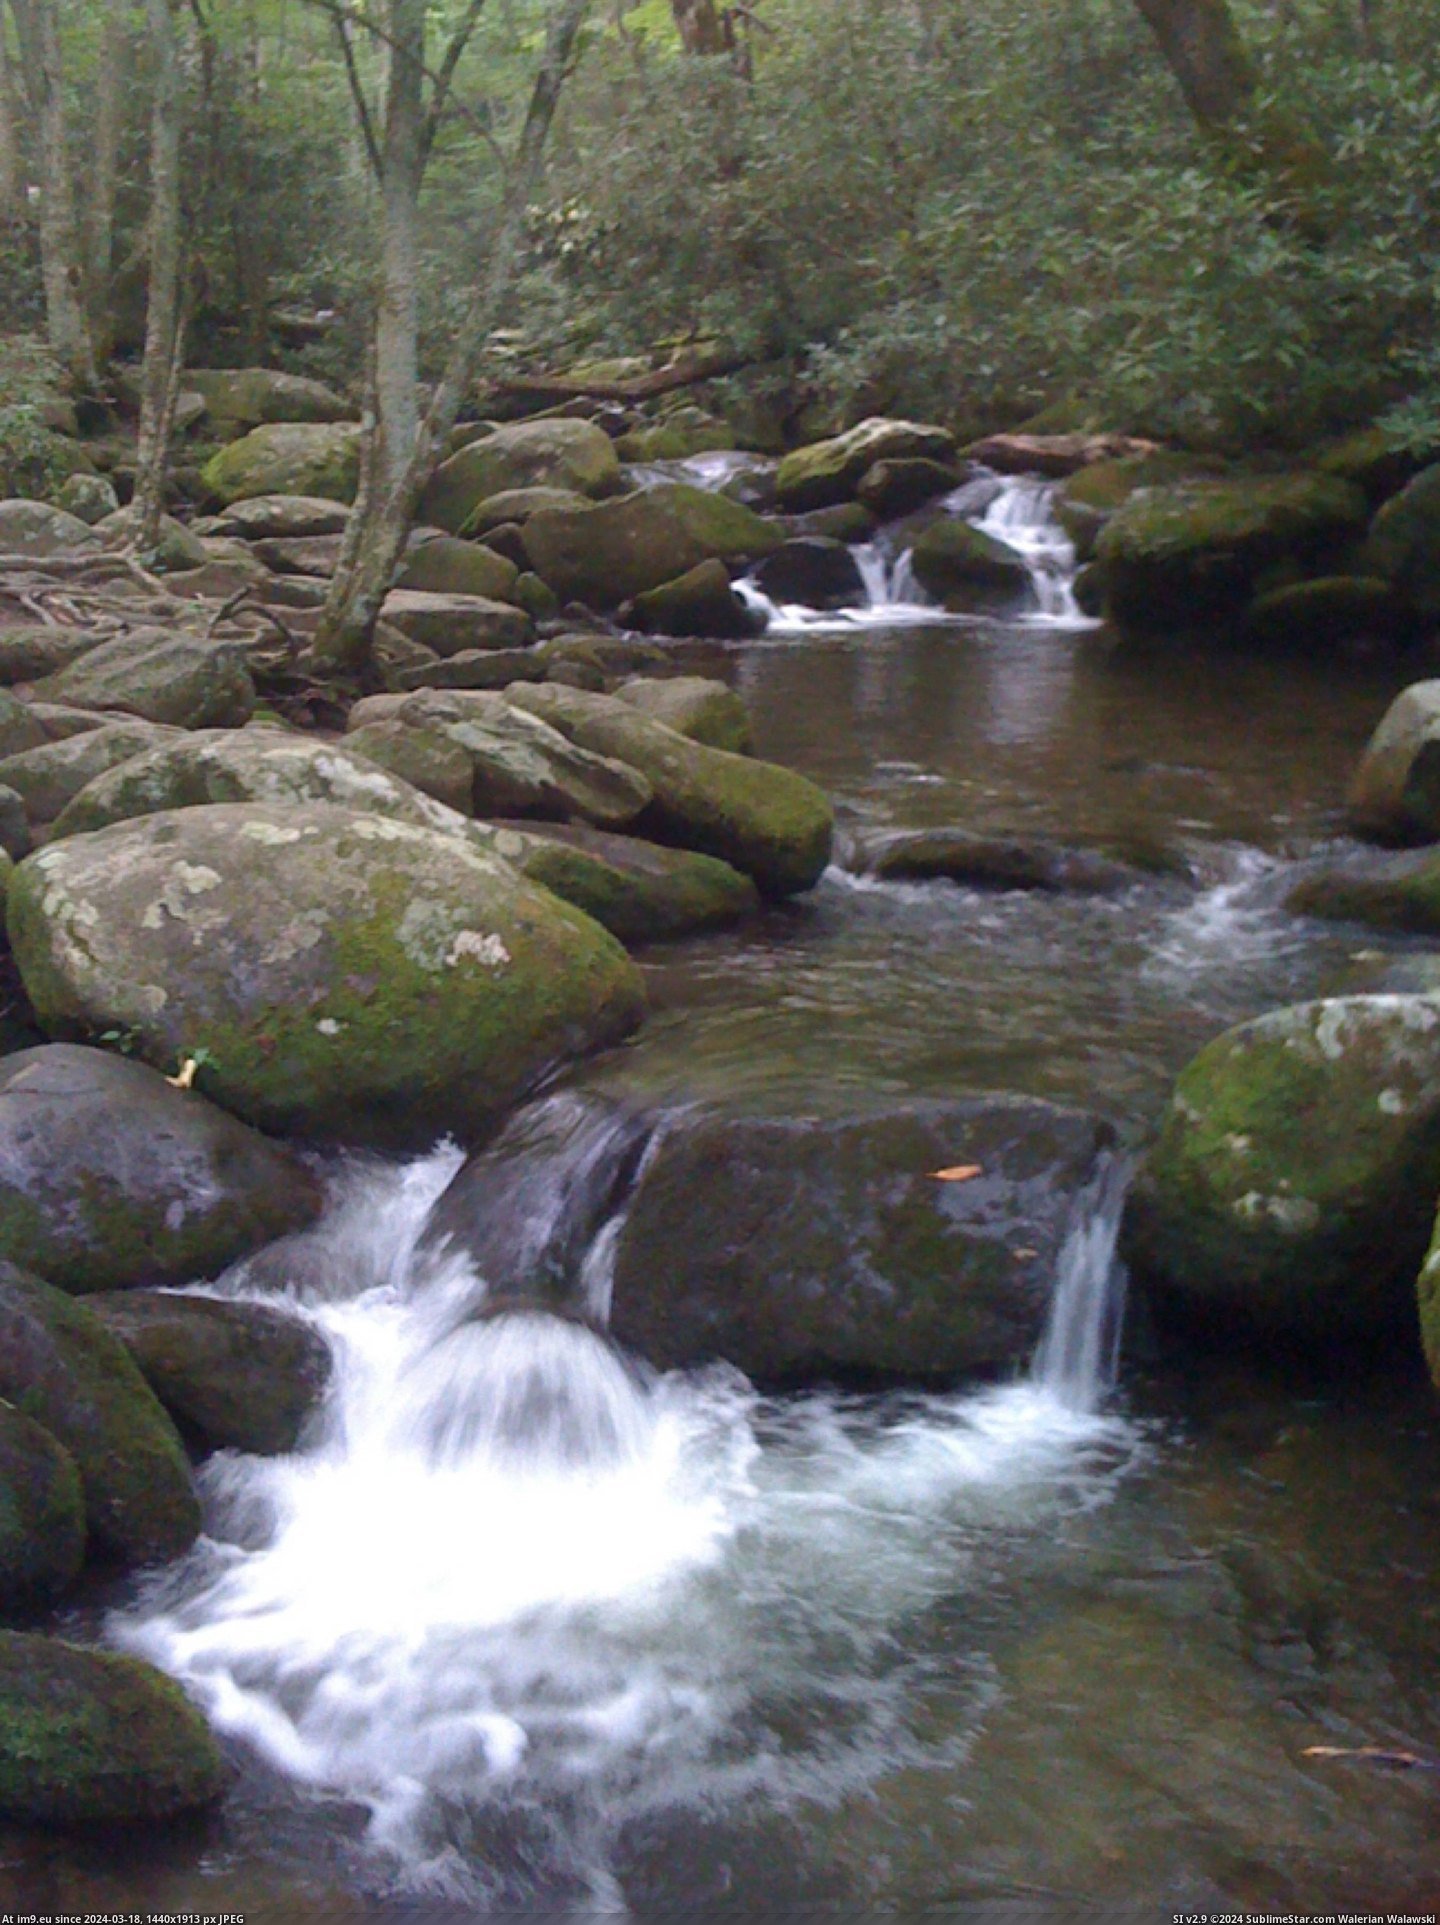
x=1022 y=515
x=1078 y=1354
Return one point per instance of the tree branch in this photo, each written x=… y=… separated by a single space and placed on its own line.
x=442 y=80
x=357 y=94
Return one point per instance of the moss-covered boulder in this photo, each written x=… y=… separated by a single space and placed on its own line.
x=176 y=678
x=799 y=1247
x=831 y=471
x=1086 y=499
x=615 y=550
x=445 y=565
x=1294 y=1179
x=1369 y=458
x=247 y=397
x=1403 y=544
x=27 y=654
x=347 y=974
x=962 y=566
x=700 y=602
x=91 y=1738
x=1177 y=558
x=63 y=1369
x=48 y=778
x=290 y=458
x=893 y=488
x=513 y=507
x=452 y=624
x=1400 y=893
x=637 y=890
x=1395 y=791
x=573 y=455
x=707 y=711
x=1329 y=614
x=42 y=1514
x=768 y=822
x=36 y=529
x=111 y=1177
x=241 y=1376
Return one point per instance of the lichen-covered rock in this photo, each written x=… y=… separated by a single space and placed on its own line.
x=1294 y=1179
x=246 y=397
x=61 y=1367
x=244 y=1376
x=111 y=1177
x=1395 y=791
x=288 y=458
x=49 y=777
x=347 y=974
x=450 y=624
x=1400 y=893
x=637 y=890
x=176 y=678
x=959 y=564
x=693 y=705
x=1404 y=542
x=278 y=517
x=444 y=565
x=768 y=822
x=90 y=498
x=42 y=1513
x=572 y=455
x=89 y=1738
x=700 y=602
x=175 y=548
x=798 y=1247
x=831 y=471
x=1178 y=557
x=615 y=550
x=36 y=529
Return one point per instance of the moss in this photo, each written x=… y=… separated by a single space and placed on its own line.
x=42 y=1513
x=638 y=892
x=287 y=459
x=1404 y=895
x=952 y=560
x=830 y=471
x=1428 y=1294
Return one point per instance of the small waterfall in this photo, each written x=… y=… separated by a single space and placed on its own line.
x=1021 y=514
x=1078 y=1354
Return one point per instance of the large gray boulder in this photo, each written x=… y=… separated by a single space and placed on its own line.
x=246 y=397
x=111 y=1177
x=706 y=711
x=178 y=678
x=443 y=565
x=1294 y=1180
x=347 y=974
x=572 y=455
x=63 y=1369
x=35 y=529
x=831 y=471
x=615 y=550
x=49 y=777
x=289 y=458
x=1395 y=791
x=450 y=624
x=278 y=517
x=800 y=1247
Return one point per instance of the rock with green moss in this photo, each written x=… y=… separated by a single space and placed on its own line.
x=637 y=890
x=93 y=1738
x=893 y=488
x=175 y=548
x=962 y=566
x=770 y=823
x=240 y=1376
x=514 y=506
x=700 y=602
x=19 y=728
x=90 y=498
x=685 y=432
x=1428 y=1292
x=1395 y=791
x=800 y=1247
x=444 y=565
x=174 y=677
x=288 y=458
x=1369 y=457
x=615 y=550
x=111 y=1177
x=1400 y=893
x=1295 y=1175
x=248 y=397
x=830 y=471
x=63 y=1369
x=1326 y=615
x=28 y=653
x=1085 y=500
x=1177 y=558
x=48 y=778
x=695 y=706
x=42 y=1514
x=1403 y=544
x=347 y=974
x=573 y=455
x=452 y=624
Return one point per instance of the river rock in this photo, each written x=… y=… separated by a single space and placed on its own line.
x=830 y=471
x=1179 y=557
x=91 y=1738
x=894 y=488
x=1294 y=1180
x=955 y=563
x=61 y=1367
x=988 y=862
x=347 y=974
x=278 y=517
x=246 y=397
x=28 y=653
x=700 y=602
x=90 y=498
x=1401 y=893
x=1086 y=500
x=615 y=550
x=1404 y=542
x=1326 y=615
x=35 y=529
x=308 y=555
x=290 y=458
x=49 y=777
x=695 y=706
x=1056 y=455
x=175 y=550
x=110 y=1176
x=452 y=623
x=572 y=455
x=19 y=727
x=443 y=565
x=513 y=507
x=768 y=822
x=799 y=1247
x=245 y=1376
x=812 y=570
x=42 y=1514
x=15 y=838
x=175 y=677
x=637 y=890
x=1395 y=791
x=486 y=670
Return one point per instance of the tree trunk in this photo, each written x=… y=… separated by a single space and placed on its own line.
x=390 y=488
x=700 y=26
x=104 y=173
x=12 y=181
x=67 y=323
x=159 y=375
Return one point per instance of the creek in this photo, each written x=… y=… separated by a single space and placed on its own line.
x=527 y=1628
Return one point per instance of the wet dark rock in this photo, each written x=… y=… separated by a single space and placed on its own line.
x=42 y=1514
x=699 y=603
x=813 y=570
x=830 y=471
x=1402 y=892
x=1328 y=614
x=244 y=1376
x=1403 y=544
x=988 y=862
x=893 y=488
x=962 y=566
x=110 y=1177
x=801 y=1247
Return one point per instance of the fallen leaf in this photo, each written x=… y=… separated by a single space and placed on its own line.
x=961 y=1173
x=187 y=1074
x=1020 y=1256
x=1375 y=1755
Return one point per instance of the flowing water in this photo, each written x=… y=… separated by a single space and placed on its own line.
x=527 y=1629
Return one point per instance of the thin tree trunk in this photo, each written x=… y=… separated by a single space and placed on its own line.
x=105 y=171
x=12 y=182
x=163 y=326
x=389 y=494
x=67 y=323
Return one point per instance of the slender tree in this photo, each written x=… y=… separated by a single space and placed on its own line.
x=164 y=315
x=12 y=179
x=111 y=88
